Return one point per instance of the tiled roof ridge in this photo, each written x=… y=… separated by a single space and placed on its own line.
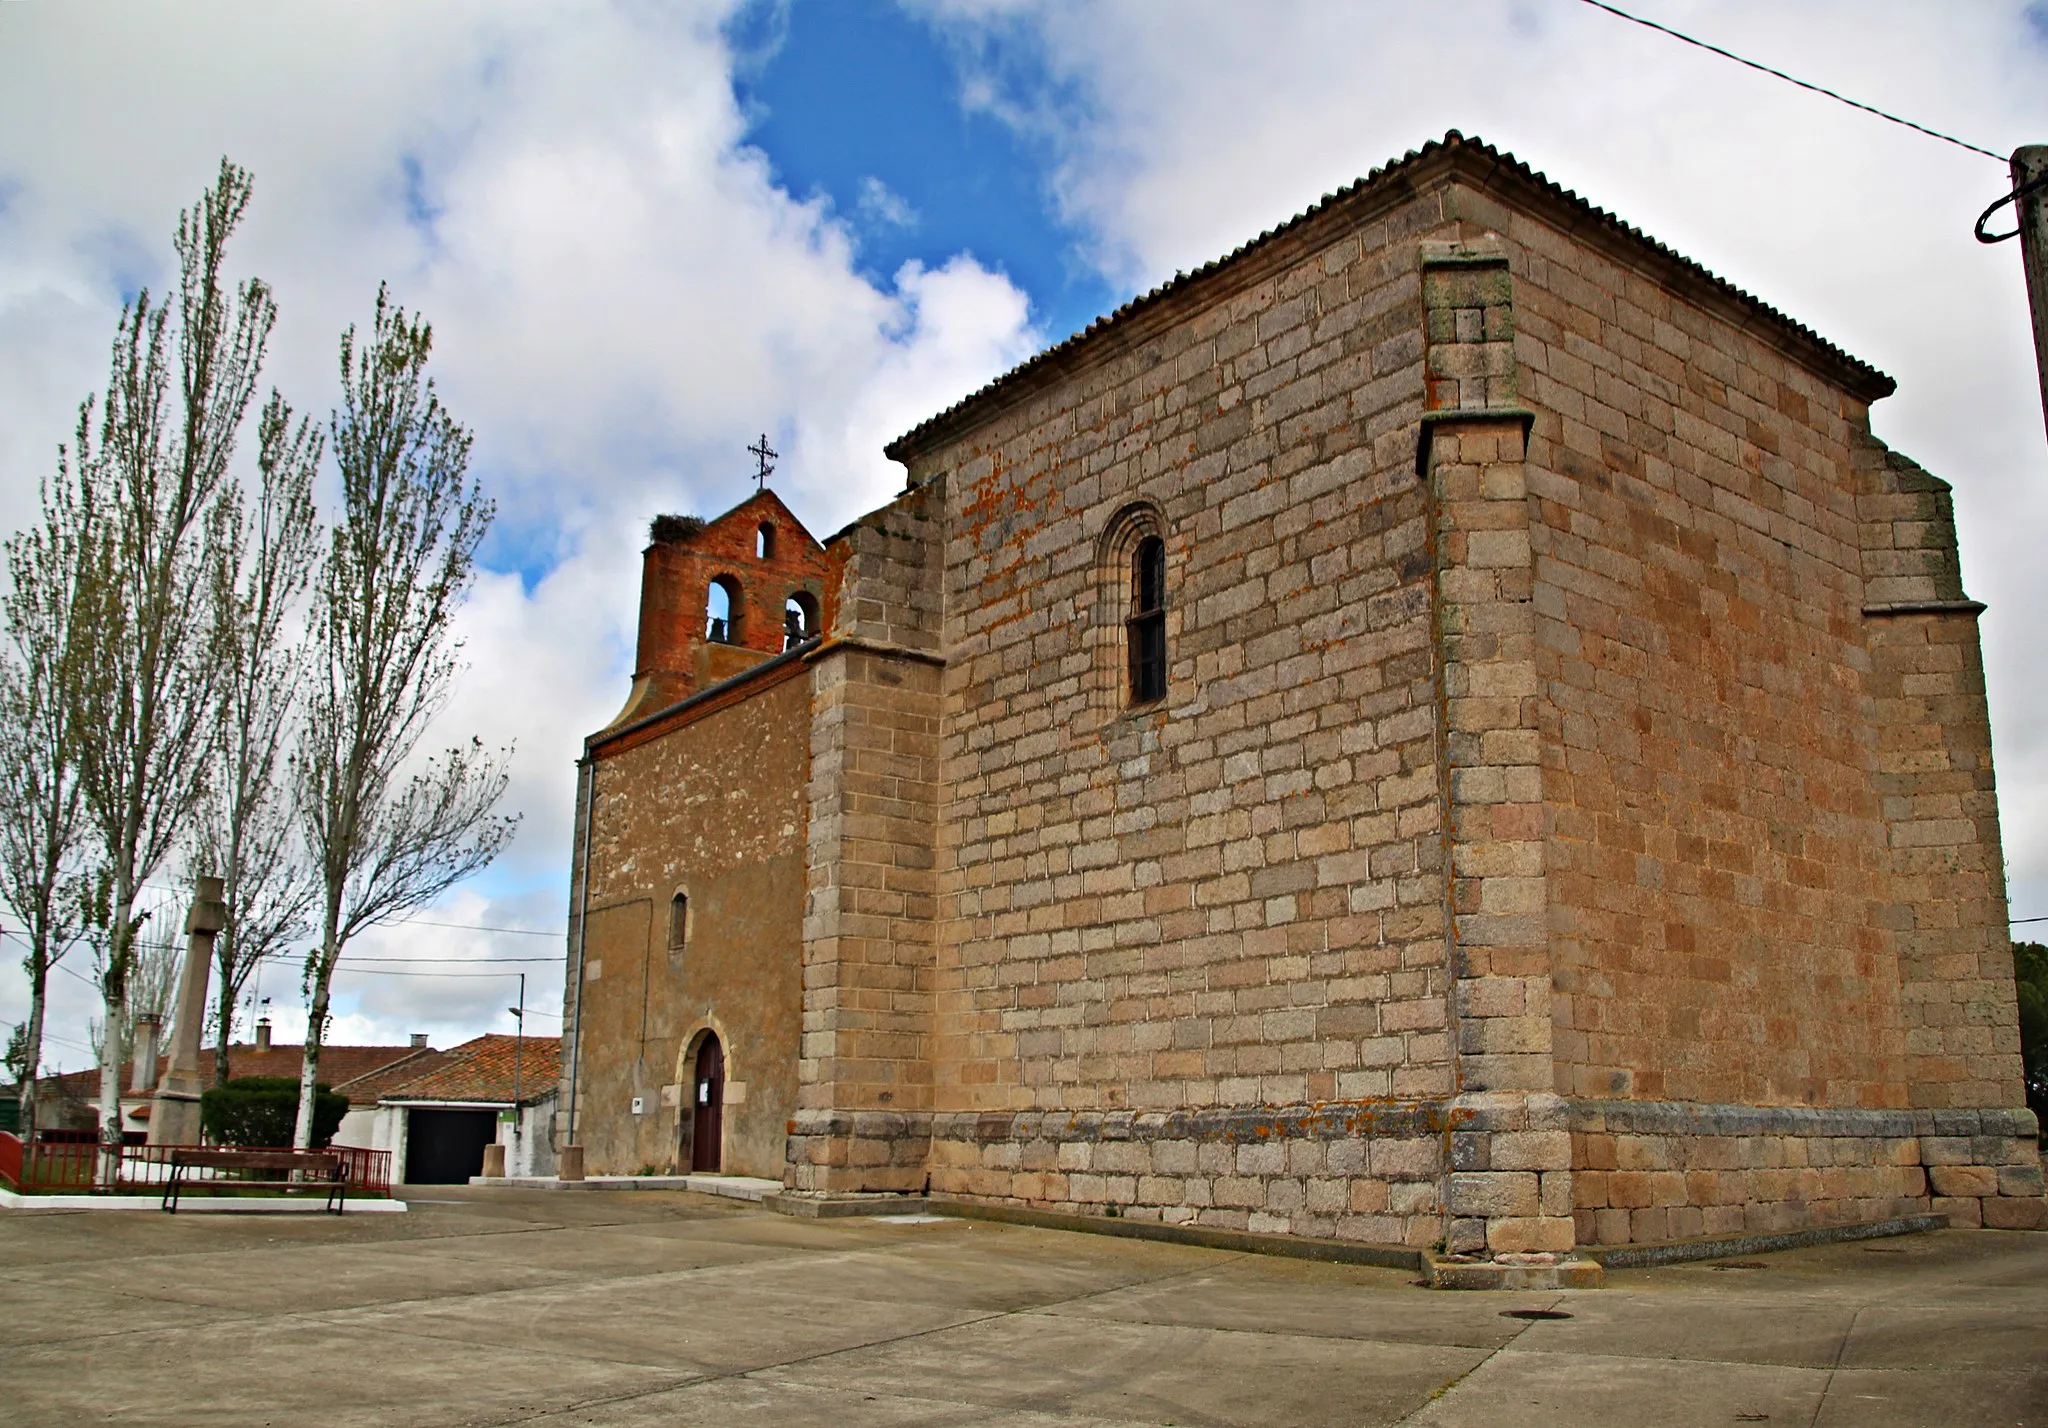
x=413 y=1054
x=1873 y=381
x=469 y=1056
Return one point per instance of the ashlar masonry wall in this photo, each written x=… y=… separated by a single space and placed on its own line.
x=1191 y=956
x=1771 y=827
x=870 y=912
x=1569 y=819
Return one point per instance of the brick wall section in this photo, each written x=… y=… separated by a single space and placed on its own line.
x=869 y=922
x=672 y=658
x=1716 y=847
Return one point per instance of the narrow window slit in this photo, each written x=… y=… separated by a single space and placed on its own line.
x=1145 y=628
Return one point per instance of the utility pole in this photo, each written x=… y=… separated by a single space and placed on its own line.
x=518 y=1045
x=2029 y=198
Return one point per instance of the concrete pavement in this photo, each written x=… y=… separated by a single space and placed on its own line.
x=501 y=1306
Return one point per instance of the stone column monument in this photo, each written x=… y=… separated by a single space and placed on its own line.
x=174 y=1113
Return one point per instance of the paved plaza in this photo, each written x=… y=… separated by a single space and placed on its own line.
x=536 y=1307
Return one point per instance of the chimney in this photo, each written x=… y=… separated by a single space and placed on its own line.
x=419 y=1041
x=263 y=1034
x=142 y=1072
x=671 y=616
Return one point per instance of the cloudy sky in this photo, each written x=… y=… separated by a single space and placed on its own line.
x=646 y=233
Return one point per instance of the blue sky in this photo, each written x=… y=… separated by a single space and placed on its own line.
x=646 y=233
x=844 y=96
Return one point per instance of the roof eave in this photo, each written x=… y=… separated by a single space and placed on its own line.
x=1435 y=166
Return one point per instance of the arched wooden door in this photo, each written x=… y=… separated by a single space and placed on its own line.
x=708 y=1105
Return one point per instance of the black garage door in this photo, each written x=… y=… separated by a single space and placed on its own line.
x=447 y=1147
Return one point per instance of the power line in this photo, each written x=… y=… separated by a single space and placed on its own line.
x=347 y=961
x=392 y=972
x=1792 y=79
x=470 y=927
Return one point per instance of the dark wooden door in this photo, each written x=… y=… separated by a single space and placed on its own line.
x=708 y=1115
x=446 y=1147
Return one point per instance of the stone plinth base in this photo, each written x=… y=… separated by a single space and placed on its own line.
x=1358 y=1171
x=1537 y=1270
x=812 y=1206
x=1652 y=1171
x=1726 y=1246
x=873 y=1151
x=174 y=1116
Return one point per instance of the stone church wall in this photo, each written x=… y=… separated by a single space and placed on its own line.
x=1717 y=853
x=1191 y=963
x=714 y=807
x=870 y=920
x=1773 y=848
x=1569 y=819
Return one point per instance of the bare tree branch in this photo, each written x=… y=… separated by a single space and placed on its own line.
x=156 y=484
x=400 y=561
x=39 y=803
x=246 y=833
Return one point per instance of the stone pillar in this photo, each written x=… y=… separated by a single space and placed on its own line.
x=1507 y=1187
x=1940 y=804
x=142 y=1064
x=174 y=1114
x=865 y=1070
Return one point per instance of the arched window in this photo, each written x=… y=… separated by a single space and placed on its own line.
x=764 y=542
x=722 y=612
x=1145 y=622
x=678 y=921
x=799 y=619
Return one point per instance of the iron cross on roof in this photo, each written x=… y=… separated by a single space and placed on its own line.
x=765 y=455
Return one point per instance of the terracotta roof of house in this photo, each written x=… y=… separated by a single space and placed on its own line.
x=483 y=1070
x=369 y=1088
x=339 y=1065
x=1490 y=168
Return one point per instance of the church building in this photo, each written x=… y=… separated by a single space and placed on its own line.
x=1440 y=728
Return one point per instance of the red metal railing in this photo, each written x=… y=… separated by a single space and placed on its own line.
x=88 y=1168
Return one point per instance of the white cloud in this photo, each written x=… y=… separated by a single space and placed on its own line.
x=1177 y=131
x=883 y=206
x=621 y=296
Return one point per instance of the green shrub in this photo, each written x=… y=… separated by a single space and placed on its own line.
x=2030 y=972
x=263 y=1110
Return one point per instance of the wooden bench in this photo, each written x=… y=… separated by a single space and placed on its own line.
x=311 y=1170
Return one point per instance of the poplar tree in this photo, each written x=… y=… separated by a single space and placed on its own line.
x=156 y=486
x=245 y=829
x=386 y=834
x=39 y=805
